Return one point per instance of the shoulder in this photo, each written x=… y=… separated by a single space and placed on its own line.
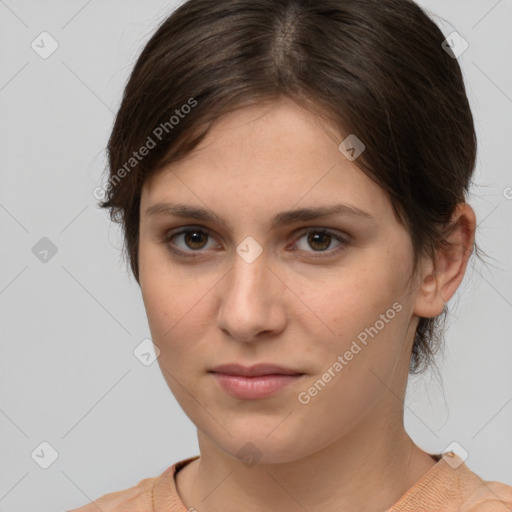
x=149 y=494
x=452 y=486
x=488 y=497
x=133 y=499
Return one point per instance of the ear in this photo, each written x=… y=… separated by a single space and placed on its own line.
x=440 y=279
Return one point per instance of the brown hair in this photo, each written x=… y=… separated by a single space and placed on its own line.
x=376 y=68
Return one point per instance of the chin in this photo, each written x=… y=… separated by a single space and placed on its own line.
x=262 y=448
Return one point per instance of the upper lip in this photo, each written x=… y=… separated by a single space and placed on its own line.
x=257 y=369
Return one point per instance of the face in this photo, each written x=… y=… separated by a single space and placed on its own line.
x=327 y=297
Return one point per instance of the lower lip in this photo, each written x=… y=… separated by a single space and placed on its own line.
x=250 y=388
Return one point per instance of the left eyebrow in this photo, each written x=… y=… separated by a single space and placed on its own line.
x=305 y=214
x=281 y=219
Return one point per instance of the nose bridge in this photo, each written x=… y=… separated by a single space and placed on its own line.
x=249 y=274
x=248 y=299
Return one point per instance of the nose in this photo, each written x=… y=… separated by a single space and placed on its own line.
x=251 y=301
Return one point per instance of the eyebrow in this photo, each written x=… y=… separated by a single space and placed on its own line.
x=281 y=219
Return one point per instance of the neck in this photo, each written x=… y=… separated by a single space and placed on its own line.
x=360 y=471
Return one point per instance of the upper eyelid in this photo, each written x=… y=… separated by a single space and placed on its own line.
x=299 y=233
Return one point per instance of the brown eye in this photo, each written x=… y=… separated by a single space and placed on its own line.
x=195 y=239
x=187 y=241
x=320 y=241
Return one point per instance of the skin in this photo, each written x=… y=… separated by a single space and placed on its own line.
x=346 y=449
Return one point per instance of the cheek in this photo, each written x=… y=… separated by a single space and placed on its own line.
x=164 y=293
x=172 y=312
x=178 y=303
x=354 y=298
x=364 y=316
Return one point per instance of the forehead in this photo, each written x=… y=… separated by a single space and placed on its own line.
x=278 y=155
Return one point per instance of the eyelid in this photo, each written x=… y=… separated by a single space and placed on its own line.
x=167 y=239
x=298 y=234
x=342 y=239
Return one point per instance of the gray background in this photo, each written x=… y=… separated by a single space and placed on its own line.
x=69 y=326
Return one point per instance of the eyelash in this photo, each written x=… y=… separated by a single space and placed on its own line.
x=321 y=254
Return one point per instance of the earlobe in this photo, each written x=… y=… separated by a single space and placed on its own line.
x=440 y=281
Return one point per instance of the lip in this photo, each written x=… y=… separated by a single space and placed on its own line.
x=255 y=370
x=253 y=388
x=254 y=382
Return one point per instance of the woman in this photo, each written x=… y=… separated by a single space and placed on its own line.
x=291 y=179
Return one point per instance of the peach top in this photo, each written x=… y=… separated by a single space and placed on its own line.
x=449 y=486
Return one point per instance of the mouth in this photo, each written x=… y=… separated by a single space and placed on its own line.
x=254 y=382
x=256 y=370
